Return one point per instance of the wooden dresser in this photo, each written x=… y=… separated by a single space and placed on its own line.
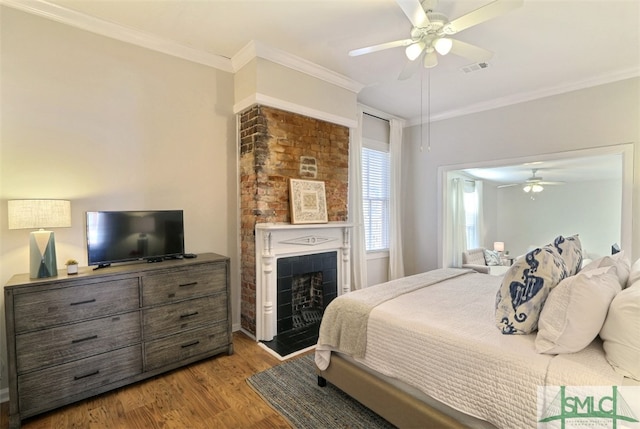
x=72 y=337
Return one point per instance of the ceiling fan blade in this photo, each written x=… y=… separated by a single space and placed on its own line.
x=551 y=183
x=414 y=11
x=380 y=47
x=508 y=186
x=409 y=69
x=470 y=52
x=482 y=14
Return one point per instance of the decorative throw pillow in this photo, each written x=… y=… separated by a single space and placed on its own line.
x=570 y=250
x=525 y=288
x=619 y=261
x=621 y=341
x=492 y=257
x=634 y=273
x=575 y=311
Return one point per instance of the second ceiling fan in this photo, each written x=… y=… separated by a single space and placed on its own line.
x=431 y=32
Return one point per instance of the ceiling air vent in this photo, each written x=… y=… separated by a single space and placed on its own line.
x=474 y=67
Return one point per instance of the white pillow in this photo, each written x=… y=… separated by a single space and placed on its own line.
x=619 y=261
x=575 y=311
x=621 y=332
x=634 y=273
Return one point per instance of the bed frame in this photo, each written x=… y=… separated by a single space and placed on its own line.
x=388 y=401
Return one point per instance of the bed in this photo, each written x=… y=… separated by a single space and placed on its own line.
x=424 y=351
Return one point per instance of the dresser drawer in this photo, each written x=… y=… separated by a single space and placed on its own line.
x=38 y=388
x=41 y=349
x=173 y=318
x=174 y=285
x=46 y=308
x=171 y=350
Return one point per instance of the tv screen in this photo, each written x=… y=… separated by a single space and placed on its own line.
x=120 y=236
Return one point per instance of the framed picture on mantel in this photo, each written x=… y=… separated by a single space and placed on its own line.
x=308 y=201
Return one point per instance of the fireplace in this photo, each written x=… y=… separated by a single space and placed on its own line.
x=299 y=270
x=306 y=285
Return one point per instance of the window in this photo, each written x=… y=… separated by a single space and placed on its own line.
x=375 y=196
x=471 y=211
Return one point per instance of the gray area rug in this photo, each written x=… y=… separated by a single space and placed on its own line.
x=291 y=388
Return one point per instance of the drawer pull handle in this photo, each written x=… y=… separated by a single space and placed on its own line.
x=184 y=316
x=80 y=377
x=89 y=301
x=188 y=284
x=195 y=343
x=79 y=340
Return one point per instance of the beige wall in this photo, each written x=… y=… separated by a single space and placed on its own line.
x=605 y=115
x=268 y=83
x=111 y=126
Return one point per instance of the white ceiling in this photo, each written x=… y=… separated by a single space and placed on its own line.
x=544 y=47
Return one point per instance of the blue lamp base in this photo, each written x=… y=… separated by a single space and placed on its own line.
x=42 y=260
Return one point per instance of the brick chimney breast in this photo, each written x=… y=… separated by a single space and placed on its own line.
x=276 y=145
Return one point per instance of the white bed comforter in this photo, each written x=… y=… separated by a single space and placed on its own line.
x=442 y=340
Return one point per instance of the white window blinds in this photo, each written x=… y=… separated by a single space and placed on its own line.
x=375 y=198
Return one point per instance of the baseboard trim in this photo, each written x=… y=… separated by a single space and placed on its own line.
x=4 y=395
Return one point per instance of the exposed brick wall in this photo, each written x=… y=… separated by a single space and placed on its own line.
x=274 y=146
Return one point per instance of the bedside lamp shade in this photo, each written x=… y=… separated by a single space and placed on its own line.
x=498 y=246
x=32 y=214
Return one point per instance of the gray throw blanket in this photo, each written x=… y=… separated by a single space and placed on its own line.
x=344 y=323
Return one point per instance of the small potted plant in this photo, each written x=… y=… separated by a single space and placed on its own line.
x=72 y=266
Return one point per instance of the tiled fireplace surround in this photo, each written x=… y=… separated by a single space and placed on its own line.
x=278 y=242
x=274 y=146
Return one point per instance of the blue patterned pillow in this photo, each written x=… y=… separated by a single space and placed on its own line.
x=570 y=250
x=525 y=288
x=492 y=258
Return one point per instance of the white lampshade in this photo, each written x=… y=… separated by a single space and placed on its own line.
x=414 y=50
x=431 y=59
x=443 y=45
x=498 y=246
x=34 y=214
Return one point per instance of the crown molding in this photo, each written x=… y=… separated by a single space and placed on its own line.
x=523 y=97
x=277 y=103
x=255 y=49
x=115 y=31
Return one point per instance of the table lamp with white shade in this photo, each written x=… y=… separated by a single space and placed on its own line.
x=32 y=214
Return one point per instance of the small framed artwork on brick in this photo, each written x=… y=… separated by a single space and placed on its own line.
x=308 y=201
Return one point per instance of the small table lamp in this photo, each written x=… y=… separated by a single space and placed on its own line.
x=498 y=246
x=41 y=214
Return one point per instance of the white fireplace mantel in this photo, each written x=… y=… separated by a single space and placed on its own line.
x=277 y=240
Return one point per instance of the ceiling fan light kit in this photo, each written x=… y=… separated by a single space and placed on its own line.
x=413 y=51
x=533 y=188
x=443 y=45
x=430 y=31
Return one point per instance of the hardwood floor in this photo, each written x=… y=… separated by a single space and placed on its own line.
x=208 y=394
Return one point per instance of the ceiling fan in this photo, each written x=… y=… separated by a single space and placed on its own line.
x=533 y=184
x=432 y=30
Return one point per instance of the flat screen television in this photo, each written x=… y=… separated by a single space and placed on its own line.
x=121 y=236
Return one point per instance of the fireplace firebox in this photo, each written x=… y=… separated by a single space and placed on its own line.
x=306 y=285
